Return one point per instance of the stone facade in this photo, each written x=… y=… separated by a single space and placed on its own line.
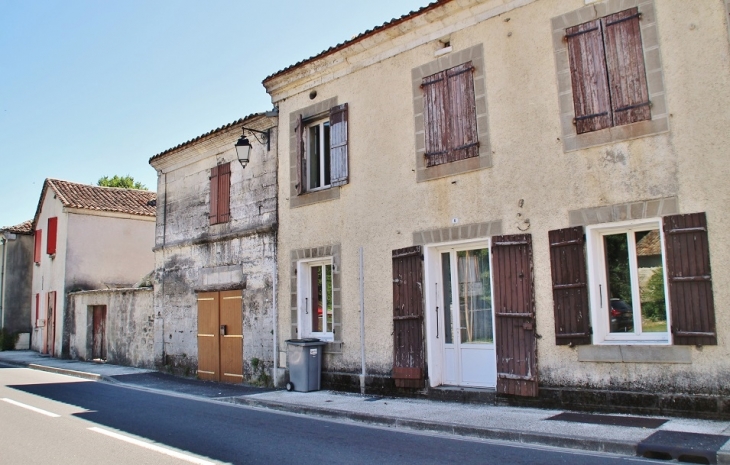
x=16 y=266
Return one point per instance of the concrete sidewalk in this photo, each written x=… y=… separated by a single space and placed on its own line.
x=698 y=441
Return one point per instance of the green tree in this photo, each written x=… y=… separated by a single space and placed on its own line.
x=127 y=182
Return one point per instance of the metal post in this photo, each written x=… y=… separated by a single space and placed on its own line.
x=362 y=324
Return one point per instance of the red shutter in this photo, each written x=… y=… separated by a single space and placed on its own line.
x=338 y=145
x=408 y=354
x=625 y=64
x=570 y=289
x=435 y=118
x=37 y=308
x=514 y=305
x=589 y=78
x=463 y=141
x=687 y=264
x=52 y=234
x=213 y=195
x=224 y=192
x=37 y=249
x=299 y=147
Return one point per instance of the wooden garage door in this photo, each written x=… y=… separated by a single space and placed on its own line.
x=231 y=341
x=208 y=337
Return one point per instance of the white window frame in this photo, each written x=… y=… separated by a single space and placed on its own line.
x=597 y=277
x=324 y=148
x=304 y=299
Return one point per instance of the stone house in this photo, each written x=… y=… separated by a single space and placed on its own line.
x=85 y=237
x=468 y=193
x=215 y=252
x=16 y=268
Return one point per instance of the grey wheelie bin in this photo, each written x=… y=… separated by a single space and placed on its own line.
x=304 y=357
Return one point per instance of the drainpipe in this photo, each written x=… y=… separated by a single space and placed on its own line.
x=275 y=368
x=362 y=323
x=162 y=270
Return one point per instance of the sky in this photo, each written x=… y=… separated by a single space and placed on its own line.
x=95 y=88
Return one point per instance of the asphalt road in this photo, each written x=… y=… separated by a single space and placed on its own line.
x=49 y=418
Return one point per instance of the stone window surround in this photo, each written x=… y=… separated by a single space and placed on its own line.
x=458 y=233
x=659 y=122
x=330 y=251
x=307 y=198
x=640 y=210
x=475 y=54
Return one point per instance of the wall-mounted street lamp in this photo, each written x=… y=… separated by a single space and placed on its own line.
x=243 y=146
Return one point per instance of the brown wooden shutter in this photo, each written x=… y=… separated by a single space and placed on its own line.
x=463 y=141
x=589 y=78
x=338 y=145
x=514 y=311
x=299 y=147
x=314 y=298
x=408 y=354
x=52 y=235
x=213 y=215
x=687 y=264
x=625 y=65
x=224 y=192
x=570 y=288
x=435 y=118
x=37 y=246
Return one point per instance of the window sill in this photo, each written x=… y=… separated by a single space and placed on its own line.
x=635 y=354
x=308 y=198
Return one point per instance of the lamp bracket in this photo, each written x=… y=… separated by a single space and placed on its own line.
x=266 y=135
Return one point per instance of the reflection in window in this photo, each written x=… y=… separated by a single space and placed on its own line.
x=475 y=299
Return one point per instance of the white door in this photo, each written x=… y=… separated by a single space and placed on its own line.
x=467 y=318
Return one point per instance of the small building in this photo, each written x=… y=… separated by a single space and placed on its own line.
x=85 y=237
x=16 y=268
x=215 y=251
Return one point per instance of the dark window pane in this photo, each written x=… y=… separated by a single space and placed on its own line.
x=618 y=293
x=448 y=320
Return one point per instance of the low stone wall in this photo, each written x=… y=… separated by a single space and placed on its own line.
x=129 y=325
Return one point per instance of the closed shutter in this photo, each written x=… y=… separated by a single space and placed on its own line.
x=224 y=192
x=625 y=65
x=37 y=308
x=213 y=195
x=690 y=282
x=37 y=246
x=52 y=234
x=588 y=76
x=338 y=145
x=299 y=147
x=570 y=289
x=514 y=304
x=462 y=113
x=208 y=336
x=435 y=118
x=408 y=354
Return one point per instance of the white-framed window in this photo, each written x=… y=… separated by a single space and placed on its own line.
x=316 y=299
x=317 y=146
x=628 y=288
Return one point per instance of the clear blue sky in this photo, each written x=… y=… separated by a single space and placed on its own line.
x=90 y=88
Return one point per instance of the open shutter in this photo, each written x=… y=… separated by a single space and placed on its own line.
x=589 y=78
x=570 y=288
x=462 y=113
x=37 y=246
x=625 y=65
x=299 y=147
x=435 y=118
x=314 y=302
x=408 y=353
x=338 y=145
x=213 y=215
x=224 y=192
x=514 y=305
x=687 y=262
x=52 y=235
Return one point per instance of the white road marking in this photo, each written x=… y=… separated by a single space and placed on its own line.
x=37 y=410
x=147 y=445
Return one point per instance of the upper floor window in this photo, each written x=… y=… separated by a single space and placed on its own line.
x=449 y=112
x=52 y=235
x=607 y=72
x=220 y=193
x=38 y=238
x=317 y=156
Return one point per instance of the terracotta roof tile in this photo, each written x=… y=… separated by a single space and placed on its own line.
x=26 y=227
x=650 y=244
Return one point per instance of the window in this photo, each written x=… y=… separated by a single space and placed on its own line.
x=449 y=112
x=37 y=246
x=644 y=281
x=321 y=149
x=220 y=193
x=52 y=234
x=316 y=302
x=607 y=72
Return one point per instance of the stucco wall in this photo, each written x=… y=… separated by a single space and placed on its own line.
x=16 y=287
x=129 y=325
x=193 y=256
x=533 y=184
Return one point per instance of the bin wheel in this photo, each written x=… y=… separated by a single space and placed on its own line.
x=289 y=386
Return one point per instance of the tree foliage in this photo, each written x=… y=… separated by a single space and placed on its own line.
x=127 y=182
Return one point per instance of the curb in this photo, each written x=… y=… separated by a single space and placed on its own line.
x=66 y=371
x=553 y=440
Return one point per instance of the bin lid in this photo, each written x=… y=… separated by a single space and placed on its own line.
x=306 y=341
